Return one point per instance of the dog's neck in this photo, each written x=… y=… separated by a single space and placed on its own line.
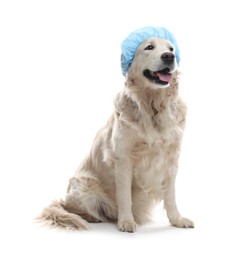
x=150 y=99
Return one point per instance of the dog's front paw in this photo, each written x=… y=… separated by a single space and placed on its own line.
x=127 y=226
x=182 y=223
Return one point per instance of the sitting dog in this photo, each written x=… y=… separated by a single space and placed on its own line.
x=133 y=161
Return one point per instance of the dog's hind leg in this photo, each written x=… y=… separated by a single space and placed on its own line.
x=87 y=198
x=85 y=202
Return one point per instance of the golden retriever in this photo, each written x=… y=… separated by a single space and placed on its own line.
x=133 y=161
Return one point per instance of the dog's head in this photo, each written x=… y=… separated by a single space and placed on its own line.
x=150 y=56
x=154 y=63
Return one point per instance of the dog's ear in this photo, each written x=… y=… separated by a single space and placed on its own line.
x=124 y=65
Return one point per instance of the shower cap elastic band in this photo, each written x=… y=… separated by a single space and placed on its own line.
x=132 y=42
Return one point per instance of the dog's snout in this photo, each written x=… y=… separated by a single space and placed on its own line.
x=168 y=57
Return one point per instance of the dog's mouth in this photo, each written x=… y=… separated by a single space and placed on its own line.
x=162 y=77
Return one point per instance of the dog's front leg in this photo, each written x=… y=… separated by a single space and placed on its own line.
x=123 y=178
x=170 y=205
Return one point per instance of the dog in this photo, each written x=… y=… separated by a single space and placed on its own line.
x=133 y=161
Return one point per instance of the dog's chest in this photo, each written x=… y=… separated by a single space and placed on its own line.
x=155 y=154
x=161 y=129
x=152 y=167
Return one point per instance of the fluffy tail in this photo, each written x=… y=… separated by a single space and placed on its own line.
x=56 y=216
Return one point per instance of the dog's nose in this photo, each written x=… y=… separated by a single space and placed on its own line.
x=168 y=57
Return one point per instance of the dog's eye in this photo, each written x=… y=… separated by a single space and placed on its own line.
x=149 y=47
x=171 y=48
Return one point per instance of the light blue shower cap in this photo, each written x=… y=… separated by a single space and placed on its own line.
x=132 y=42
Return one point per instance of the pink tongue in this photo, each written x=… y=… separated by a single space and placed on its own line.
x=164 y=77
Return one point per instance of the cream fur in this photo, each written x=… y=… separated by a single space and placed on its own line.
x=133 y=161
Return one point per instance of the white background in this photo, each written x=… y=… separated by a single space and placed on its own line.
x=59 y=72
